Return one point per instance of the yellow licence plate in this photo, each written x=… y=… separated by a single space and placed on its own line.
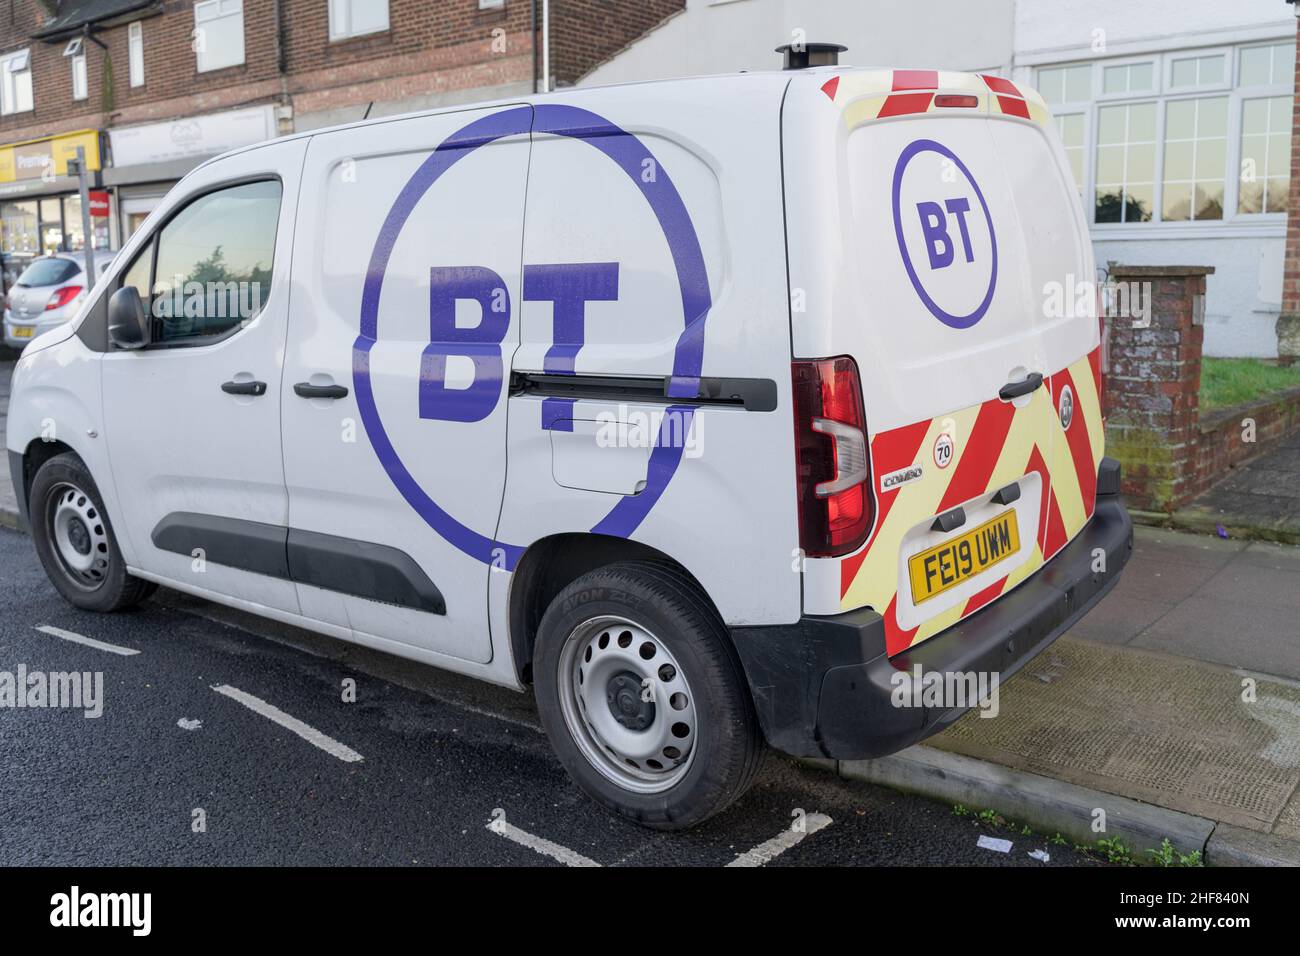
x=949 y=564
x=23 y=331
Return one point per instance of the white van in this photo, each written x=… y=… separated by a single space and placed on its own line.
x=705 y=407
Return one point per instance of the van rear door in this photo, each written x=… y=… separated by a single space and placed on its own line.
x=940 y=243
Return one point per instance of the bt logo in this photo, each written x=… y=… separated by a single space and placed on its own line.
x=934 y=226
x=948 y=246
x=568 y=287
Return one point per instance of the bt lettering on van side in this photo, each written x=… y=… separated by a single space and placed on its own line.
x=567 y=286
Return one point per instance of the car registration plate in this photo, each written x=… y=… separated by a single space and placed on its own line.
x=947 y=565
x=23 y=331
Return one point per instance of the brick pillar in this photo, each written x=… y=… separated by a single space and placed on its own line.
x=1288 y=323
x=1154 y=383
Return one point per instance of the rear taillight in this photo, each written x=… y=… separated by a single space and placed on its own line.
x=62 y=297
x=833 y=462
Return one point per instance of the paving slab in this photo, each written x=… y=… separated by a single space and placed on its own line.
x=1204 y=627
x=1151 y=727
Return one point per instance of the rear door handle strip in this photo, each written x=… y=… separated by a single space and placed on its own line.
x=1032 y=383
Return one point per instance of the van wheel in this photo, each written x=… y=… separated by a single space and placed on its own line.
x=75 y=541
x=643 y=697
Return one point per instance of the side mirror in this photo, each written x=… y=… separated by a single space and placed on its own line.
x=128 y=326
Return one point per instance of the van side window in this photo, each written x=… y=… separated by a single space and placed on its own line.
x=213 y=267
x=137 y=274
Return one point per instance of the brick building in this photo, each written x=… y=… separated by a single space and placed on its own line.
x=151 y=88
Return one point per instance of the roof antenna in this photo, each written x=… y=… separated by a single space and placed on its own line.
x=369 y=107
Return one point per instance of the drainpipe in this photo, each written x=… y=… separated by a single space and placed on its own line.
x=546 y=46
x=284 y=111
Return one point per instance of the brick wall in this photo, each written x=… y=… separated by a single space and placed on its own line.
x=1222 y=442
x=1288 y=326
x=585 y=33
x=1153 y=387
x=1169 y=451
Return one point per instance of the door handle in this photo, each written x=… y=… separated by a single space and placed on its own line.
x=244 y=388
x=1032 y=383
x=307 y=390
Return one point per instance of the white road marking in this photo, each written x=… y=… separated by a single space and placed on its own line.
x=87 y=641
x=769 y=850
x=189 y=723
x=305 y=731
x=545 y=847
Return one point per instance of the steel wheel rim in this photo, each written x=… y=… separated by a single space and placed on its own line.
x=642 y=745
x=76 y=528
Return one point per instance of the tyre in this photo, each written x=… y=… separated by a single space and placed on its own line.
x=75 y=541
x=643 y=697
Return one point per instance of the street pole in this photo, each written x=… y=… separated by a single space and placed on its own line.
x=84 y=190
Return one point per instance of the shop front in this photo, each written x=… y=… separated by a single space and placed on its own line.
x=40 y=205
x=149 y=159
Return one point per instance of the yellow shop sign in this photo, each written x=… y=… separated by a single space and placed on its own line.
x=32 y=159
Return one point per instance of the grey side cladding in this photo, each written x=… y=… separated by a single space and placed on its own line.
x=233 y=542
x=375 y=572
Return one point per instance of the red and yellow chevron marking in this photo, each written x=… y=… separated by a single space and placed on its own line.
x=868 y=95
x=995 y=444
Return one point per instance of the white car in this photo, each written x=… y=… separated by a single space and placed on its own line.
x=707 y=408
x=47 y=294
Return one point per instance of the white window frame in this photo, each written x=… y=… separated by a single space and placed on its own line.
x=1236 y=64
x=340 y=18
x=1164 y=93
x=1099 y=78
x=1229 y=179
x=1086 y=186
x=1229 y=71
x=135 y=52
x=77 y=60
x=210 y=11
x=11 y=87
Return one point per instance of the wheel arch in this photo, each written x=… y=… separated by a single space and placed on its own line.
x=551 y=564
x=37 y=453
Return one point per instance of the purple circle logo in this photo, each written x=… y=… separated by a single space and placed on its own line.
x=630 y=155
x=945 y=233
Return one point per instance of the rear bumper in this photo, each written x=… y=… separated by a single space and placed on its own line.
x=823 y=686
x=37 y=327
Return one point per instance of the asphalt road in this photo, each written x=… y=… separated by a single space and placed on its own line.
x=441 y=757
